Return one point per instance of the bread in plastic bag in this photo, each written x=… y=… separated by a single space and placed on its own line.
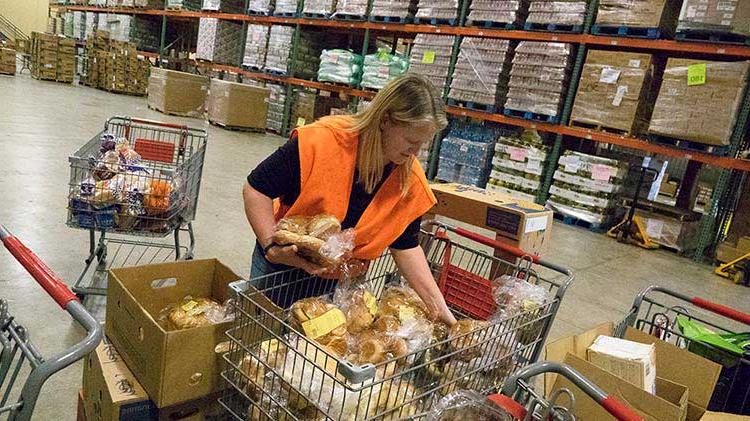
x=464 y=405
x=515 y=296
x=358 y=303
x=319 y=239
x=196 y=312
x=322 y=321
x=466 y=340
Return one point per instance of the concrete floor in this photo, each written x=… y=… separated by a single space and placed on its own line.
x=42 y=123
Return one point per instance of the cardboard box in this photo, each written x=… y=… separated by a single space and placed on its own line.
x=660 y=14
x=237 y=105
x=516 y=222
x=177 y=93
x=7 y=61
x=173 y=366
x=615 y=91
x=732 y=16
x=631 y=361
x=112 y=393
x=81 y=411
x=673 y=364
x=704 y=112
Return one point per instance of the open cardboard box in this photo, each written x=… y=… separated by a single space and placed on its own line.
x=174 y=366
x=673 y=364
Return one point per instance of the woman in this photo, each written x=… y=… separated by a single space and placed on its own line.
x=362 y=170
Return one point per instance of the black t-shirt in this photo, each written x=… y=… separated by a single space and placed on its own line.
x=278 y=177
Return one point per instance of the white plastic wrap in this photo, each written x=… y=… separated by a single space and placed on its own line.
x=279 y=47
x=256 y=45
x=219 y=41
x=224 y=6
x=463 y=405
x=430 y=57
x=394 y=8
x=481 y=71
x=340 y=66
x=535 y=82
x=438 y=9
x=381 y=67
x=263 y=7
x=319 y=7
x=557 y=12
x=285 y=6
x=501 y=11
x=351 y=8
x=276 y=100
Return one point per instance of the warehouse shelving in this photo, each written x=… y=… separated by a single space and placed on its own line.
x=717 y=214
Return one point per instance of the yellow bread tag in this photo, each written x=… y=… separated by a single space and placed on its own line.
x=405 y=313
x=370 y=302
x=189 y=305
x=269 y=346
x=324 y=324
x=197 y=309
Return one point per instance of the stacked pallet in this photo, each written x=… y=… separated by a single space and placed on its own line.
x=586 y=187
x=279 y=47
x=309 y=50
x=256 y=45
x=355 y=8
x=286 y=7
x=381 y=67
x=260 y=7
x=219 y=41
x=52 y=57
x=437 y=11
x=431 y=56
x=517 y=165
x=466 y=154
x=637 y=17
x=340 y=66
x=555 y=12
x=497 y=13
x=394 y=10
x=716 y=17
x=319 y=8
x=7 y=59
x=276 y=101
x=224 y=6
x=480 y=78
x=114 y=66
x=144 y=32
x=184 y=4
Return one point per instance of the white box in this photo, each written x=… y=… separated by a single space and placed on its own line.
x=631 y=361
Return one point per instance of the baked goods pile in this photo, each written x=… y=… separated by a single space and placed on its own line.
x=319 y=239
x=195 y=312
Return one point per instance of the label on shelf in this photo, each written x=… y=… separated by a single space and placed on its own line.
x=428 y=57
x=609 y=75
x=696 y=74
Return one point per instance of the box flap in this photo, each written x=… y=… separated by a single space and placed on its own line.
x=720 y=416
x=681 y=366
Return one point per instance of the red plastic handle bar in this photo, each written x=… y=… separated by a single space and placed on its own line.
x=48 y=280
x=722 y=310
x=495 y=244
x=515 y=409
x=159 y=123
x=619 y=410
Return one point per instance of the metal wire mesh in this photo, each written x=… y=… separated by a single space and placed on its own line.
x=150 y=198
x=274 y=372
x=17 y=356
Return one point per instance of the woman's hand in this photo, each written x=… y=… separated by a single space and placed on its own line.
x=287 y=255
x=445 y=315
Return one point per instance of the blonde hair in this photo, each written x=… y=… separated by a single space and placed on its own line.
x=408 y=99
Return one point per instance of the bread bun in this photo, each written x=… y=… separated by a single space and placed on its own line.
x=323 y=226
x=192 y=313
x=465 y=341
x=296 y=224
x=386 y=324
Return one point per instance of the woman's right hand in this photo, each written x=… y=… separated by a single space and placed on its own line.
x=287 y=255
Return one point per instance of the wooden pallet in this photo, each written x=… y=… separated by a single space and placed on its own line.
x=627 y=31
x=690 y=146
x=285 y=14
x=487 y=108
x=553 y=27
x=711 y=36
x=237 y=128
x=258 y=13
x=599 y=127
x=436 y=21
x=346 y=16
x=390 y=19
x=316 y=15
x=491 y=25
x=528 y=115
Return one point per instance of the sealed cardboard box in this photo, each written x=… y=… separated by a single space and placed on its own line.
x=660 y=14
x=7 y=61
x=174 y=366
x=516 y=222
x=699 y=100
x=615 y=91
x=631 y=361
x=237 y=105
x=177 y=93
x=732 y=16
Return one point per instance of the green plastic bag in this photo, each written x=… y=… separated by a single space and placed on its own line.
x=732 y=343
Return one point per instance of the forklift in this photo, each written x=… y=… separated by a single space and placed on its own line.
x=632 y=229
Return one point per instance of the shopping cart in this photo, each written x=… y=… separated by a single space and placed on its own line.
x=520 y=400
x=152 y=195
x=657 y=310
x=276 y=373
x=18 y=354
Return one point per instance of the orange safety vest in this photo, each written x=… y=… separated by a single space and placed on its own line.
x=328 y=157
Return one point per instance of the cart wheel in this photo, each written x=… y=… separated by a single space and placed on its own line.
x=620 y=236
x=739 y=277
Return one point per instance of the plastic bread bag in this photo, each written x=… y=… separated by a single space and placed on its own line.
x=358 y=303
x=195 y=312
x=467 y=405
x=318 y=319
x=514 y=295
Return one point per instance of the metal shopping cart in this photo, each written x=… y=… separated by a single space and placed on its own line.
x=661 y=312
x=276 y=373
x=145 y=187
x=520 y=400
x=18 y=354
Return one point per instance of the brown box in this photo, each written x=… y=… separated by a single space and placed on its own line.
x=660 y=14
x=615 y=91
x=516 y=222
x=112 y=393
x=237 y=105
x=704 y=113
x=174 y=366
x=731 y=16
x=7 y=61
x=177 y=93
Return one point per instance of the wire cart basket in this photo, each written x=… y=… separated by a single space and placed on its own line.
x=274 y=372
x=522 y=402
x=135 y=179
x=19 y=356
x=657 y=311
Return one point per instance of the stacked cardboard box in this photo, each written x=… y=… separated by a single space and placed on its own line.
x=466 y=154
x=263 y=7
x=79 y=25
x=438 y=9
x=114 y=66
x=585 y=187
x=256 y=45
x=538 y=77
x=286 y=6
x=219 y=41
x=501 y=11
x=351 y=7
x=279 y=47
x=615 y=91
x=145 y=4
x=90 y=24
x=68 y=23
x=481 y=71
x=563 y=12
x=276 y=100
x=177 y=93
x=660 y=14
x=731 y=16
x=237 y=105
x=224 y=6
x=184 y=4
x=7 y=60
x=144 y=32
x=699 y=100
x=404 y=9
x=52 y=57
x=319 y=7
x=309 y=106
x=431 y=56
x=517 y=165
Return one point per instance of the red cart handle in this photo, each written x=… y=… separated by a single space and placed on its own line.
x=495 y=244
x=619 y=410
x=722 y=310
x=159 y=123
x=48 y=280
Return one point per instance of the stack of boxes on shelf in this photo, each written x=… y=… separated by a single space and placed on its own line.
x=256 y=45
x=615 y=92
x=517 y=165
x=381 y=67
x=55 y=22
x=699 y=100
x=68 y=23
x=285 y=7
x=340 y=66
x=310 y=105
x=431 y=56
x=260 y=7
x=638 y=17
x=90 y=23
x=319 y=8
x=727 y=16
x=224 y=6
x=438 y=11
x=276 y=101
x=309 y=49
x=279 y=47
x=219 y=41
x=493 y=13
x=556 y=12
x=538 y=78
x=144 y=32
x=114 y=66
x=7 y=58
x=480 y=78
x=585 y=187
x=53 y=57
x=466 y=154
x=145 y=4
x=79 y=26
x=184 y=4
x=355 y=8
x=397 y=10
